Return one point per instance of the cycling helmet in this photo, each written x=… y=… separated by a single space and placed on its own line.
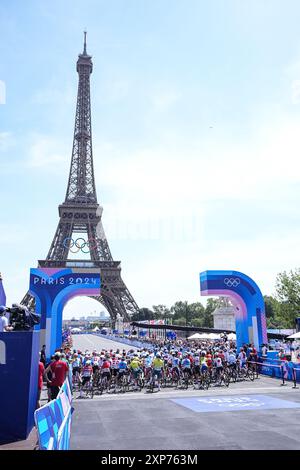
x=2 y=308
x=158 y=354
x=88 y=363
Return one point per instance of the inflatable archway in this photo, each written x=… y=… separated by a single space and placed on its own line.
x=52 y=289
x=248 y=301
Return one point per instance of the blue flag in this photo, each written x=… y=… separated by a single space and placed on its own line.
x=2 y=293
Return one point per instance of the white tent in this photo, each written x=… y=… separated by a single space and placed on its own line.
x=231 y=336
x=295 y=336
x=75 y=330
x=213 y=336
x=196 y=336
x=96 y=328
x=205 y=336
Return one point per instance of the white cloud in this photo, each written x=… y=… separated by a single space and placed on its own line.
x=47 y=152
x=117 y=90
x=6 y=140
x=164 y=100
x=11 y=234
x=169 y=181
x=52 y=96
x=171 y=178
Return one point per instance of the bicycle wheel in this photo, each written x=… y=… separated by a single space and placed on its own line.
x=226 y=379
x=251 y=374
x=233 y=375
x=151 y=386
x=186 y=382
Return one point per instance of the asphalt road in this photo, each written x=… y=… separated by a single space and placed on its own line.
x=247 y=415
x=90 y=342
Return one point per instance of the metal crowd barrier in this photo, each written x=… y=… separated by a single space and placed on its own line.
x=133 y=343
x=284 y=370
x=53 y=421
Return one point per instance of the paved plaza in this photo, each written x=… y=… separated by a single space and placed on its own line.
x=247 y=415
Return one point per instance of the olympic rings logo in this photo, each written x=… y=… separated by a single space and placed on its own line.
x=231 y=282
x=80 y=244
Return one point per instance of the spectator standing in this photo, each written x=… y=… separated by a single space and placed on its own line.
x=43 y=355
x=59 y=371
x=264 y=350
x=3 y=320
x=41 y=372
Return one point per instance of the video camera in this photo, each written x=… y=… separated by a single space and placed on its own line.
x=21 y=318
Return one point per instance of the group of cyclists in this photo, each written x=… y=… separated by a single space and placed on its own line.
x=108 y=369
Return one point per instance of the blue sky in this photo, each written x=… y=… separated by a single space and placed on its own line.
x=196 y=137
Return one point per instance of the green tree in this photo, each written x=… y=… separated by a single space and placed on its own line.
x=179 y=321
x=181 y=310
x=143 y=314
x=273 y=310
x=197 y=322
x=288 y=294
x=161 y=312
x=211 y=306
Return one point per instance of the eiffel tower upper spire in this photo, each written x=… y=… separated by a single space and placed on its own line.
x=84 y=46
x=81 y=186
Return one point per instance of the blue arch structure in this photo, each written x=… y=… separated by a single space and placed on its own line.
x=248 y=301
x=52 y=289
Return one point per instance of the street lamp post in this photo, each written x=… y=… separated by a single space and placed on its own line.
x=186 y=320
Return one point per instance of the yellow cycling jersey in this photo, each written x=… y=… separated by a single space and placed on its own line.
x=135 y=364
x=158 y=363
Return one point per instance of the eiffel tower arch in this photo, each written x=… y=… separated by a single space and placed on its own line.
x=81 y=214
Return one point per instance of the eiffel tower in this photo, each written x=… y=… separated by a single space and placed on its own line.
x=80 y=213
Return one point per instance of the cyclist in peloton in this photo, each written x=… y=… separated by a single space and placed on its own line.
x=76 y=366
x=242 y=357
x=175 y=364
x=158 y=365
x=203 y=363
x=135 y=367
x=86 y=374
x=122 y=368
x=114 y=365
x=197 y=362
x=186 y=365
x=218 y=363
x=232 y=359
x=95 y=361
x=147 y=366
x=105 y=368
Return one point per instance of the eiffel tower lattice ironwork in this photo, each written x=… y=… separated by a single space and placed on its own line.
x=80 y=213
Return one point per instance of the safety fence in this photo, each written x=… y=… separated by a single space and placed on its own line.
x=53 y=421
x=282 y=369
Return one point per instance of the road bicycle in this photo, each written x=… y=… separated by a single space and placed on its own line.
x=86 y=389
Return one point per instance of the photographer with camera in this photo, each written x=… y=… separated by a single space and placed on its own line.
x=21 y=318
x=3 y=320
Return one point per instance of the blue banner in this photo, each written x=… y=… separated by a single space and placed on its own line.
x=53 y=421
x=2 y=293
x=19 y=358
